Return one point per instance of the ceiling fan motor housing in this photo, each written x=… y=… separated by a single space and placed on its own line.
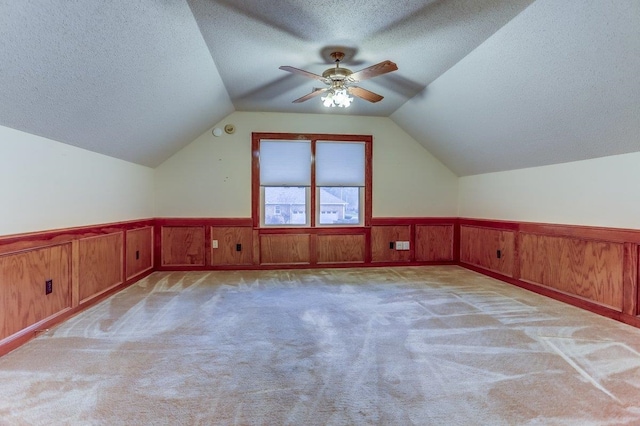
x=337 y=73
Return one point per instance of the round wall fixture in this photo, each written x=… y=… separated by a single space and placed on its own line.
x=217 y=132
x=229 y=128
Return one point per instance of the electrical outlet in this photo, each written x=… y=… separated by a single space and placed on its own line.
x=238 y=247
x=48 y=287
x=391 y=245
x=137 y=254
x=499 y=254
x=214 y=244
x=402 y=245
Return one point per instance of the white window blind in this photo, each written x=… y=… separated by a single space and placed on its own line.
x=285 y=163
x=340 y=163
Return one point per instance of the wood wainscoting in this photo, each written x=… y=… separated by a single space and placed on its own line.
x=231 y=245
x=100 y=265
x=285 y=249
x=23 y=281
x=434 y=243
x=384 y=243
x=79 y=265
x=347 y=248
x=592 y=270
x=431 y=240
x=492 y=249
x=589 y=267
x=139 y=251
x=183 y=245
x=209 y=244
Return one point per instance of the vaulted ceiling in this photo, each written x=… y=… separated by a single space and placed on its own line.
x=484 y=85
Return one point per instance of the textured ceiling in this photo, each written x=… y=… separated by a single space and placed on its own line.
x=250 y=39
x=484 y=85
x=129 y=79
x=558 y=83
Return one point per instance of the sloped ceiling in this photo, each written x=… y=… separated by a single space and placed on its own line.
x=484 y=85
x=558 y=83
x=130 y=79
x=250 y=39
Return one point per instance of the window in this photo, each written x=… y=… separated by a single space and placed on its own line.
x=284 y=205
x=340 y=179
x=311 y=180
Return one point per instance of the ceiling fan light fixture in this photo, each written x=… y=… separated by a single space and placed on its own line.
x=337 y=98
x=340 y=82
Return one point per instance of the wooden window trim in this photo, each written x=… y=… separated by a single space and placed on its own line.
x=256 y=137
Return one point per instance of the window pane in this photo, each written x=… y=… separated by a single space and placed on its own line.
x=285 y=205
x=339 y=205
x=340 y=164
x=285 y=163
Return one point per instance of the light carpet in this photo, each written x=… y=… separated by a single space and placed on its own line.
x=390 y=346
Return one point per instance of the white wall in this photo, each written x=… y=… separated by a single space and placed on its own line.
x=599 y=192
x=211 y=177
x=48 y=185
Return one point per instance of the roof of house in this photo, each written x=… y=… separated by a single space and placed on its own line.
x=279 y=195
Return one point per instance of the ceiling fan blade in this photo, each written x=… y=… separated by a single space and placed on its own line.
x=313 y=94
x=373 y=71
x=364 y=94
x=303 y=73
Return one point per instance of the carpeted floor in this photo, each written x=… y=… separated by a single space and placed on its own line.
x=389 y=346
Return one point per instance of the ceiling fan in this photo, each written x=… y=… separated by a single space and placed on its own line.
x=340 y=82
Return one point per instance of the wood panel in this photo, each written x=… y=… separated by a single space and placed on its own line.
x=256 y=247
x=139 y=251
x=183 y=245
x=34 y=240
x=23 y=301
x=281 y=249
x=589 y=269
x=340 y=248
x=636 y=283
x=480 y=246
x=630 y=279
x=228 y=239
x=434 y=243
x=100 y=264
x=383 y=236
